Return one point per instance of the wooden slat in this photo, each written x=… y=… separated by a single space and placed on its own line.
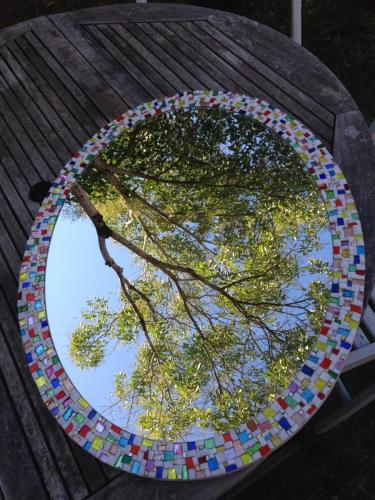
x=346 y=411
x=288 y=59
x=89 y=115
x=89 y=467
x=17 y=146
x=245 y=76
x=146 y=489
x=193 y=61
x=138 y=58
x=159 y=46
x=48 y=467
x=114 y=79
x=9 y=253
x=15 y=192
x=360 y=357
x=368 y=321
x=16 y=481
x=61 y=43
x=360 y=339
x=30 y=140
x=15 y=31
x=140 y=13
x=33 y=104
x=354 y=151
x=290 y=97
x=155 y=63
x=61 y=120
x=130 y=62
x=41 y=429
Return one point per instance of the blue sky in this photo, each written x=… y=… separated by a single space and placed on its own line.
x=76 y=272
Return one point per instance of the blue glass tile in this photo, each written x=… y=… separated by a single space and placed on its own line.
x=307 y=370
x=284 y=423
x=212 y=464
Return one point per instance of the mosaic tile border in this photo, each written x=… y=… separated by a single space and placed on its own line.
x=257 y=438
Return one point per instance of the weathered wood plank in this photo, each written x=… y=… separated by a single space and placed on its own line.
x=43 y=431
x=216 y=53
x=360 y=357
x=140 y=13
x=285 y=92
x=263 y=71
x=288 y=59
x=88 y=114
x=354 y=151
x=193 y=61
x=157 y=44
x=346 y=411
x=33 y=104
x=15 y=192
x=54 y=109
x=147 y=489
x=121 y=88
x=368 y=321
x=153 y=62
x=130 y=62
x=89 y=467
x=13 y=228
x=29 y=139
x=15 y=145
x=44 y=456
x=15 y=31
x=360 y=339
x=66 y=45
x=19 y=473
x=146 y=74
x=9 y=253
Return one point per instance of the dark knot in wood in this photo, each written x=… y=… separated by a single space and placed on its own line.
x=39 y=191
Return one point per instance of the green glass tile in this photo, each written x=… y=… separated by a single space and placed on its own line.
x=290 y=402
x=126 y=459
x=209 y=443
x=55 y=359
x=253 y=449
x=79 y=418
x=185 y=474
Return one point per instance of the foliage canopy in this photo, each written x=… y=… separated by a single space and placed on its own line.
x=222 y=221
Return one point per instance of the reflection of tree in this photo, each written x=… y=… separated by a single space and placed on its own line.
x=220 y=216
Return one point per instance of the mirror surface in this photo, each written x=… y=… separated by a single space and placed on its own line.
x=189 y=274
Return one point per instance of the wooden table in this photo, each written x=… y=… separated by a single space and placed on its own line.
x=64 y=76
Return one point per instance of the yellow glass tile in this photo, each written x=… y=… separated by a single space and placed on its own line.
x=246 y=458
x=321 y=346
x=319 y=384
x=268 y=412
x=171 y=474
x=147 y=442
x=83 y=403
x=41 y=314
x=97 y=444
x=353 y=323
x=276 y=441
x=23 y=276
x=40 y=381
